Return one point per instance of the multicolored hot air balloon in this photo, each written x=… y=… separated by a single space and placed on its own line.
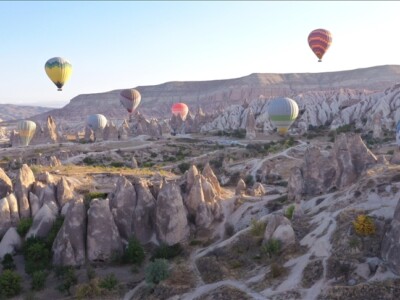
x=180 y=109
x=319 y=41
x=26 y=130
x=282 y=113
x=130 y=99
x=96 y=122
x=59 y=71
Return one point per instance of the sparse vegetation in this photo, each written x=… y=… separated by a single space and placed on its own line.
x=109 y=282
x=38 y=280
x=364 y=225
x=54 y=231
x=257 y=227
x=277 y=270
x=156 y=271
x=69 y=279
x=167 y=252
x=289 y=212
x=249 y=180
x=271 y=247
x=23 y=226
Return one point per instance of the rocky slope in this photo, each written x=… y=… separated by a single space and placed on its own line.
x=10 y=112
x=211 y=95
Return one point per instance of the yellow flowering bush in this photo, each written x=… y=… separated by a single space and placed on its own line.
x=364 y=225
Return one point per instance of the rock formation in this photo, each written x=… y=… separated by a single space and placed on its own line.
x=280 y=228
x=123 y=131
x=110 y=132
x=5 y=184
x=89 y=134
x=23 y=184
x=257 y=190
x=46 y=134
x=240 y=188
x=64 y=191
x=42 y=222
x=171 y=216
x=390 y=244
x=13 y=206
x=10 y=242
x=69 y=244
x=324 y=171
x=5 y=217
x=103 y=239
x=250 y=125
x=122 y=203
x=144 y=212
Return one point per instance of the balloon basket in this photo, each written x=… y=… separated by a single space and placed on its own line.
x=59 y=89
x=319 y=60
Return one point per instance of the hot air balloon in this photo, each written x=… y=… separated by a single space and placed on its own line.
x=59 y=71
x=319 y=41
x=180 y=109
x=282 y=113
x=130 y=99
x=96 y=122
x=26 y=130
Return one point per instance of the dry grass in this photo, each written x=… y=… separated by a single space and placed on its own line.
x=70 y=170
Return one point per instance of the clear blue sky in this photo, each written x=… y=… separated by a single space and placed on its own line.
x=115 y=45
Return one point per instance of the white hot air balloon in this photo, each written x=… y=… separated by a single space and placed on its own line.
x=282 y=113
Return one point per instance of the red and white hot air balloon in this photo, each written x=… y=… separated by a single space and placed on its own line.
x=180 y=109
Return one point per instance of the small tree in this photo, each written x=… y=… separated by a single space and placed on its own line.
x=23 y=226
x=134 y=253
x=289 y=212
x=157 y=271
x=10 y=284
x=272 y=247
x=8 y=262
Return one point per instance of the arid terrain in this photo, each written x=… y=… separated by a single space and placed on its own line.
x=224 y=209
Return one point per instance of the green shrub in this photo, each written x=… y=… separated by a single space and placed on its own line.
x=167 y=252
x=147 y=164
x=23 y=226
x=272 y=247
x=89 y=160
x=257 y=227
x=249 y=180
x=289 y=212
x=156 y=271
x=8 y=262
x=10 y=283
x=229 y=230
x=117 y=164
x=38 y=280
x=69 y=279
x=183 y=167
x=54 y=231
x=134 y=252
x=36 y=254
x=109 y=282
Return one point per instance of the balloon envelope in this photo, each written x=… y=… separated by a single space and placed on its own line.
x=130 y=99
x=59 y=71
x=96 y=122
x=180 y=109
x=26 y=130
x=319 y=41
x=282 y=113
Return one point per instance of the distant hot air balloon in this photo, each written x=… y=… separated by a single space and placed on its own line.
x=59 y=71
x=130 y=99
x=96 y=122
x=319 y=41
x=282 y=113
x=26 y=130
x=180 y=109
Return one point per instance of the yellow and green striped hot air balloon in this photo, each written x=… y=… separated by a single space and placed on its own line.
x=59 y=71
x=26 y=130
x=282 y=113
